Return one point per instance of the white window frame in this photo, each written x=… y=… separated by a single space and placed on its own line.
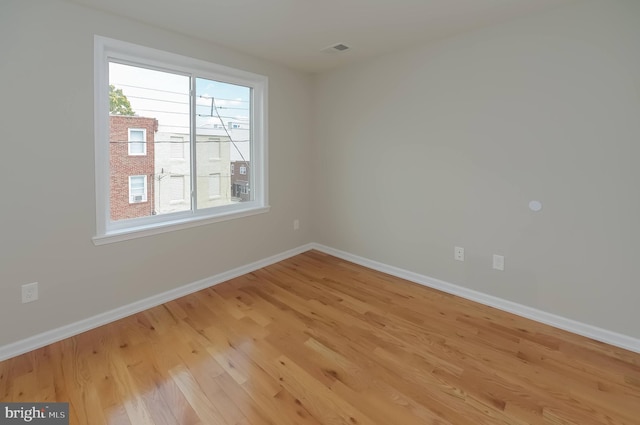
x=243 y=170
x=145 y=196
x=143 y=141
x=107 y=230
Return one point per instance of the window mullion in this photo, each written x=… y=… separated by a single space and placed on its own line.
x=194 y=167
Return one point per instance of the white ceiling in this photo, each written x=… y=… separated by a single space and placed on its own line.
x=293 y=32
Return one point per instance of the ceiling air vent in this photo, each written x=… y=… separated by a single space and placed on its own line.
x=336 y=48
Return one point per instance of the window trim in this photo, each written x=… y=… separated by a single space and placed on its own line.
x=143 y=141
x=107 y=231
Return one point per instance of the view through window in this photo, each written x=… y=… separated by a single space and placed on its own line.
x=197 y=131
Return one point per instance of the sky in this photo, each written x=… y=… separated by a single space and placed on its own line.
x=165 y=96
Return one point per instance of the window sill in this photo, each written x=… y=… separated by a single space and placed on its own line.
x=170 y=226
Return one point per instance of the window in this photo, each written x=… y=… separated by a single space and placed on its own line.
x=233 y=168
x=176 y=147
x=137 y=189
x=214 y=143
x=214 y=186
x=182 y=106
x=137 y=141
x=176 y=188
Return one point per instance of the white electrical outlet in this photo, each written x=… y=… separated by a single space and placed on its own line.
x=296 y=224
x=458 y=253
x=29 y=292
x=498 y=262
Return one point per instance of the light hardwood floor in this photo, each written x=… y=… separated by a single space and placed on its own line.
x=317 y=340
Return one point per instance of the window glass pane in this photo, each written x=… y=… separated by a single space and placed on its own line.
x=137 y=185
x=137 y=194
x=136 y=135
x=155 y=102
x=137 y=142
x=223 y=138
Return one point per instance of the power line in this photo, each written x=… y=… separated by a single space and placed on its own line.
x=156 y=100
x=188 y=113
x=178 y=93
x=186 y=142
x=163 y=112
x=182 y=103
x=213 y=104
x=152 y=89
x=225 y=107
x=188 y=127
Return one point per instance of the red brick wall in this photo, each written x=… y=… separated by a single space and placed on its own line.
x=242 y=179
x=124 y=165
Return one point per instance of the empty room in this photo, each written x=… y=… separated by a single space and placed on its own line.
x=274 y=212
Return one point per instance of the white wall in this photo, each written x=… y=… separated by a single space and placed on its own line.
x=47 y=217
x=446 y=144
x=414 y=153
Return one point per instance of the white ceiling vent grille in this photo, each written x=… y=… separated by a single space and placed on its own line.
x=336 y=48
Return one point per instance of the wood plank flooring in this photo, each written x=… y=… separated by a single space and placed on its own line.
x=316 y=340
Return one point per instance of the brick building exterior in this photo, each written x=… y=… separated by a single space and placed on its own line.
x=240 y=189
x=131 y=157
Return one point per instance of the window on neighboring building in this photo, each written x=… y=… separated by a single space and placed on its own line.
x=137 y=141
x=232 y=169
x=137 y=189
x=214 y=147
x=176 y=188
x=176 y=149
x=188 y=102
x=214 y=185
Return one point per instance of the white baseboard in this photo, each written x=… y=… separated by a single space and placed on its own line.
x=54 y=335
x=593 y=332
